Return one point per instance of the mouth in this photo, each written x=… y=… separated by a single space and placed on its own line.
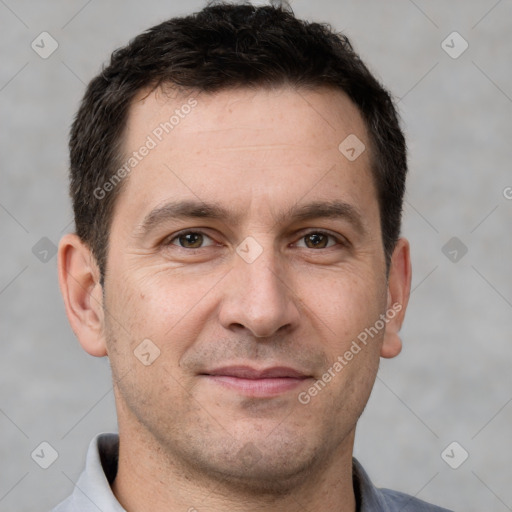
x=252 y=382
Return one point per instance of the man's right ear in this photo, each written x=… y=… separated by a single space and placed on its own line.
x=79 y=280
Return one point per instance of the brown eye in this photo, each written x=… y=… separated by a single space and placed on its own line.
x=190 y=240
x=316 y=240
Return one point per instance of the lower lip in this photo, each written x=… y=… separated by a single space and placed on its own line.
x=258 y=387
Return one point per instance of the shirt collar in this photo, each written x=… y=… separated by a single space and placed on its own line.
x=368 y=497
x=92 y=491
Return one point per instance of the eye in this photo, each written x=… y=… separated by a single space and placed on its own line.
x=191 y=240
x=318 y=240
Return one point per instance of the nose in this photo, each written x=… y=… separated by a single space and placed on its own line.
x=259 y=297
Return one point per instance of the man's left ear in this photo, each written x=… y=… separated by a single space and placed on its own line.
x=399 y=289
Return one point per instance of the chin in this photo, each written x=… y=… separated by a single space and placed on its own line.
x=261 y=465
x=276 y=475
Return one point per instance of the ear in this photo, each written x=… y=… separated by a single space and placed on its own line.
x=399 y=289
x=79 y=280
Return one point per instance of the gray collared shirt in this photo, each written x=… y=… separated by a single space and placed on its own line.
x=92 y=491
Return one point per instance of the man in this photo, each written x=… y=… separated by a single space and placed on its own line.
x=237 y=179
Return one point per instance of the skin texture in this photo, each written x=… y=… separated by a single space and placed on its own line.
x=186 y=440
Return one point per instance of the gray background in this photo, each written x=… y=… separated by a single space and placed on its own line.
x=452 y=381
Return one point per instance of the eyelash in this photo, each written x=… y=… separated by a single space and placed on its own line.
x=169 y=240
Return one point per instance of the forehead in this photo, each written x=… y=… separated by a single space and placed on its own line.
x=265 y=147
x=326 y=114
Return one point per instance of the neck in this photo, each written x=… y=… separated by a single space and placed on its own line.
x=149 y=478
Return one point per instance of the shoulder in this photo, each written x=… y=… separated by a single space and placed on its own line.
x=68 y=505
x=374 y=499
x=405 y=503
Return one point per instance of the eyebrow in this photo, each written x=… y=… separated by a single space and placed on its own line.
x=190 y=209
x=324 y=209
x=195 y=209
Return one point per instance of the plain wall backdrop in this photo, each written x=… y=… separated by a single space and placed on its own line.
x=452 y=382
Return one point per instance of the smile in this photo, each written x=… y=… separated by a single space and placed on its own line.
x=257 y=383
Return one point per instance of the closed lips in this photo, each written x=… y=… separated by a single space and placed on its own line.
x=246 y=372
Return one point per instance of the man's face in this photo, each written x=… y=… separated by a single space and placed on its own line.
x=247 y=248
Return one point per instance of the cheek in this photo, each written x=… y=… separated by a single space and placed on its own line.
x=165 y=307
x=345 y=302
x=148 y=330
